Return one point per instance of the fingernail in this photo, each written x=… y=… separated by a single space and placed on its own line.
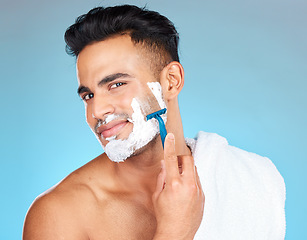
x=171 y=136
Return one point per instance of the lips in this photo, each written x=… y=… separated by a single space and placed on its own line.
x=112 y=128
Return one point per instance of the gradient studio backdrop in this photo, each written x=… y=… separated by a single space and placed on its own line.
x=246 y=71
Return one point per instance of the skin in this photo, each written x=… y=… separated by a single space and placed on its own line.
x=141 y=198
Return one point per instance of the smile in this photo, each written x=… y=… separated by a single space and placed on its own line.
x=112 y=128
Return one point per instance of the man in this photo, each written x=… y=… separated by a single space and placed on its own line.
x=128 y=67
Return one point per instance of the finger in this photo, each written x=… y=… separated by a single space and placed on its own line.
x=188 y=167
x=170 y=158
x=160 y=181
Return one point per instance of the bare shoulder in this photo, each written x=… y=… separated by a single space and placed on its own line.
x=60 y=212
x=49 y=217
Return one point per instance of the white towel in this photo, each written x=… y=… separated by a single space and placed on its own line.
x=244 y=192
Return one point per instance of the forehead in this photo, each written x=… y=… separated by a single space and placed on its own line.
x=116 y=54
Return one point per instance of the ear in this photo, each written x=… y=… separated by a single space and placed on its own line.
x=172 y=80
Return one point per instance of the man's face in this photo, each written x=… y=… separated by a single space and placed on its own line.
x=113 y=82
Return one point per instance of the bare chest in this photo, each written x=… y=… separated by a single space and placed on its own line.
x=120 y=220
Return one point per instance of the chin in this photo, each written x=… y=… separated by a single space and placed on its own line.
x=146 y=147
x=119 y=150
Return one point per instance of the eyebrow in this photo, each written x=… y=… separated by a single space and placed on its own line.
x=112 y=77
x=105 y=80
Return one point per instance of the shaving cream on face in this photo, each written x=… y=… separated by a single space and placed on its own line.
x=156 y=89
x=143 y=131
x=110 y=118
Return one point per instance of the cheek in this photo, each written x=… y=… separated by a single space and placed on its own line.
x=126 y=102
x=89 y=117
x=123 y=102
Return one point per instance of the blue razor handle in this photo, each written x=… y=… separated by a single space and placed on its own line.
x=157 y=115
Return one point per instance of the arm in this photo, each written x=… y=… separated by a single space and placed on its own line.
x=178 y=199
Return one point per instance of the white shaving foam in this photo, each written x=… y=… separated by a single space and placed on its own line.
x=110 y=118
x=143 y=132
x=111 y=138
x=156 y=89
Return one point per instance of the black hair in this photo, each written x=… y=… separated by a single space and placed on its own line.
x=148 y=28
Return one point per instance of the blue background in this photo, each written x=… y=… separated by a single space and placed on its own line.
x=246 y=72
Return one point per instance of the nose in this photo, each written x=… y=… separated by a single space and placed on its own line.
x=101 y=107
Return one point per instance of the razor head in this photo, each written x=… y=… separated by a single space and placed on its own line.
x=155 y=114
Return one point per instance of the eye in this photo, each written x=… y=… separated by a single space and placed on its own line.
x=88 y=96
x=116 y=85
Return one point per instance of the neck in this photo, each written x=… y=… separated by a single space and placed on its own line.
x=139 y=173
x=174 y=125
